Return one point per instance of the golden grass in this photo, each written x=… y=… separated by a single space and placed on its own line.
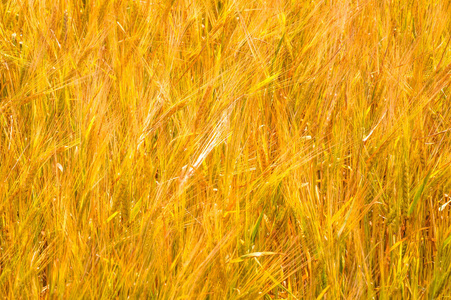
x=225 y=149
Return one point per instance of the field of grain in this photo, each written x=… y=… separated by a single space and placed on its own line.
x=225 y=149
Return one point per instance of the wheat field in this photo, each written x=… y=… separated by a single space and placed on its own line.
x=225 y=149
